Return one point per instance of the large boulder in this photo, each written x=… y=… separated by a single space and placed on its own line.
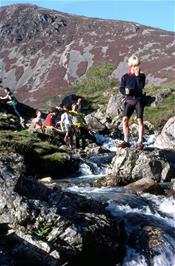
x=166 y=139
x=144 y=185
x=12 y=207
x=115 y=105
x=128 y=166
x=96 y=121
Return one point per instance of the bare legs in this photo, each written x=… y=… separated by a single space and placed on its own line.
x=140 y=129
x=126 y=129
x=68 y=139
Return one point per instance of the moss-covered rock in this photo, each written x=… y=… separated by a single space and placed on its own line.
x=41 y=157
x=9 y=122
x=59 y=163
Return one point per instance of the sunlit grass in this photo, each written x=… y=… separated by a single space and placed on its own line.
x=159 y=114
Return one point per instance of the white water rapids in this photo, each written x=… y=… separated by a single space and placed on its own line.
x=136 y=211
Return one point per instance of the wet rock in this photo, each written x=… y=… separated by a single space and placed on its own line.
x=150 y=237
x=25 y=249
x=5 y=256
x=144 y=185
x=105 y=181
x=171 y=191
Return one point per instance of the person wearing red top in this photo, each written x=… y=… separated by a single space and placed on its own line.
x=48 y=120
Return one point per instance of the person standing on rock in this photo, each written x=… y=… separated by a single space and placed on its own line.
x=67 y=126
x=132 y=85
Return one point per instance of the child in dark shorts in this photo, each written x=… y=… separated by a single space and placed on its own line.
x=132 y=85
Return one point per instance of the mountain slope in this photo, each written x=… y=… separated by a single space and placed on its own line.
x=43 y=51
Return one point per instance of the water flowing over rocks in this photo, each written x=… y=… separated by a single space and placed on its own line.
x=49 y=226
x=117 y=219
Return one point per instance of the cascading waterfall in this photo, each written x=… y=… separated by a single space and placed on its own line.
x=149 y=220
x=155 y=213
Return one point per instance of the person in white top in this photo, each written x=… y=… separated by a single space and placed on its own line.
x=67 y=126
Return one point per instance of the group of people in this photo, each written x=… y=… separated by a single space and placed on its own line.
x=71 y=122
x=65 y=122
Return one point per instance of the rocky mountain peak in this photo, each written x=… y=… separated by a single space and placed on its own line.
x=44 y=51
x=24 y=22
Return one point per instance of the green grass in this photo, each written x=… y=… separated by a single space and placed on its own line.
x=25 y=141
x=95 y=85
x=42 y=231
x=159 y=114
x=42 y=148
x=153 y=90
x=13 y=138
x=58 y=157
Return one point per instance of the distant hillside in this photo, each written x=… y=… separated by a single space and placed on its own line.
x=43 y=51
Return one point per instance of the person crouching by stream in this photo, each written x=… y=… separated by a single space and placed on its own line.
x=67 y=126
x=132 y=85
x=12 y=103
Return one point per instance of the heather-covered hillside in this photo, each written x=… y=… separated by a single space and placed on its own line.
x=43 y=52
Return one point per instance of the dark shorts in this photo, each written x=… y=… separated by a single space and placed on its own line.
x=129 y=109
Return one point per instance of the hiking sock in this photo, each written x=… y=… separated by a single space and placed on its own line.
x=126 y=139
x=139 y=141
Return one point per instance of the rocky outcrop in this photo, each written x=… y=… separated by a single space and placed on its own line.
x=47 y=226
x=166 y=139
x=128 y=166
x=96 y=121
x=115 y=106
x=42 y=153
x=12 y=206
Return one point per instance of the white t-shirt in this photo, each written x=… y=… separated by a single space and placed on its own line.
x=66 y=119
x=66 y=122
